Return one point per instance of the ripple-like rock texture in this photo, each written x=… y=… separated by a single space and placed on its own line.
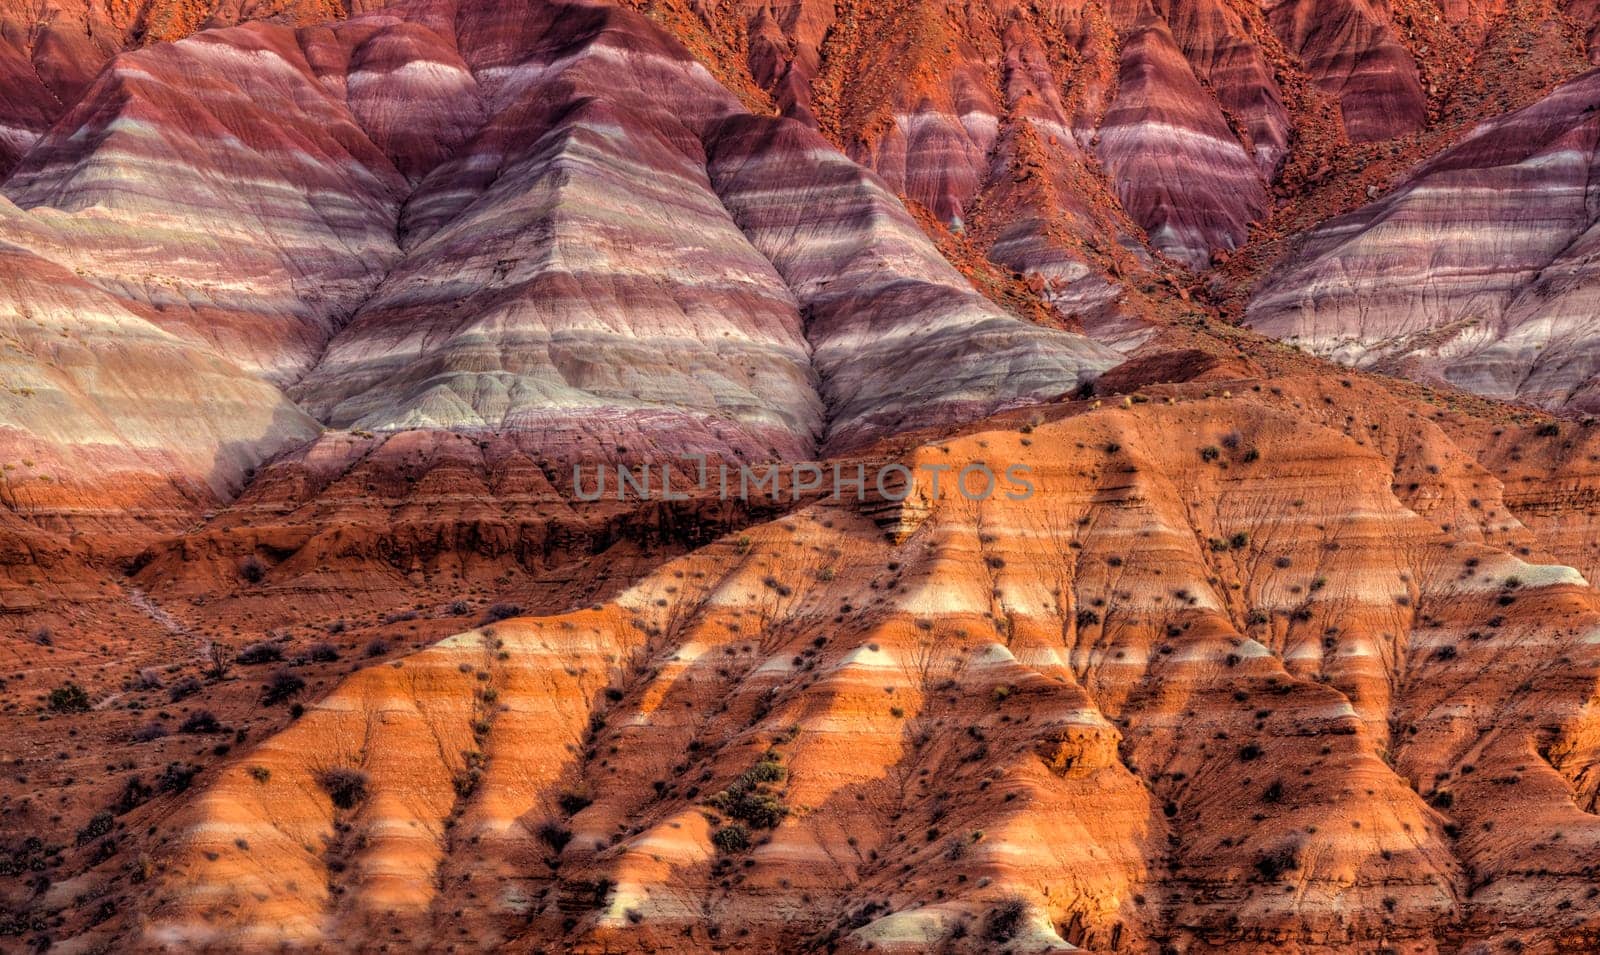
x=1477 y=269
x=1224 y=693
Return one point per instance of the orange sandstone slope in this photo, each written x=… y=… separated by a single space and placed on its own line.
x=1228 y=681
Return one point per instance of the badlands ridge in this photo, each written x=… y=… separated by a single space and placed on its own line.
x=308 y=312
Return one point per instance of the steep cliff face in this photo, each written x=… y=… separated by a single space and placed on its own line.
x=1230 y=680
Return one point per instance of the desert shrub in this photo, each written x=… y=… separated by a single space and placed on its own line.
x=219 y=660
x=69 y=698
x=459 y=608
x=768 y=770
x=150 y=679
x=1274 y=864
x=1249 y=752
x=201 y=721
x=176 y=777
x=1005 y=920
x=344 y=785
x=324 y=653
x=264 y=651
x=501 y=611
x=184 y=688
x=748 y=799
x=734 y=837
x=376 y=648
x=252 y=570
x=1210 y=453
x=555 y=835
x=99 y=826
x=573 y=803
x=149 y=732
x=29 y=854
x=280 y=687
x=134 y=793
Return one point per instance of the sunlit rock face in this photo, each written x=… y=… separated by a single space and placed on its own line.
x=1211 y=684
x=307 y=317
x=1476 y=269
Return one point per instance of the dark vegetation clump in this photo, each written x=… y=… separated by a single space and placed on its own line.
x=750 y=799
x=734 y=837
x=1005 y=921
x=501 y=611
x=69 y=698
x=264 y=651
x=201 y=721
x=281 y=686
x=252 y=570
x=345 y=786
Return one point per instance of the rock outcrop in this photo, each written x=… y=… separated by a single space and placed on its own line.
x=1475 y=269
x=544 y=218
x=50 y=52
x=1043 y=720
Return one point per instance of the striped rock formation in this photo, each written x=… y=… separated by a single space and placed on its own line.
x=50 y=52
x=306 y=321
x=634 y=243
x=544 y=218
x=1225 y=692
x=1475 y=270
x=1126 y=124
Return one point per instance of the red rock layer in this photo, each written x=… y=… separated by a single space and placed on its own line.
x=50 y=52
x=537 y=218
x=626 y=251
x=1038 y=721
x=945 y=100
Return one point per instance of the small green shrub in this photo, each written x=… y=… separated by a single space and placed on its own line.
x=734 y=837
x=69 y=698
